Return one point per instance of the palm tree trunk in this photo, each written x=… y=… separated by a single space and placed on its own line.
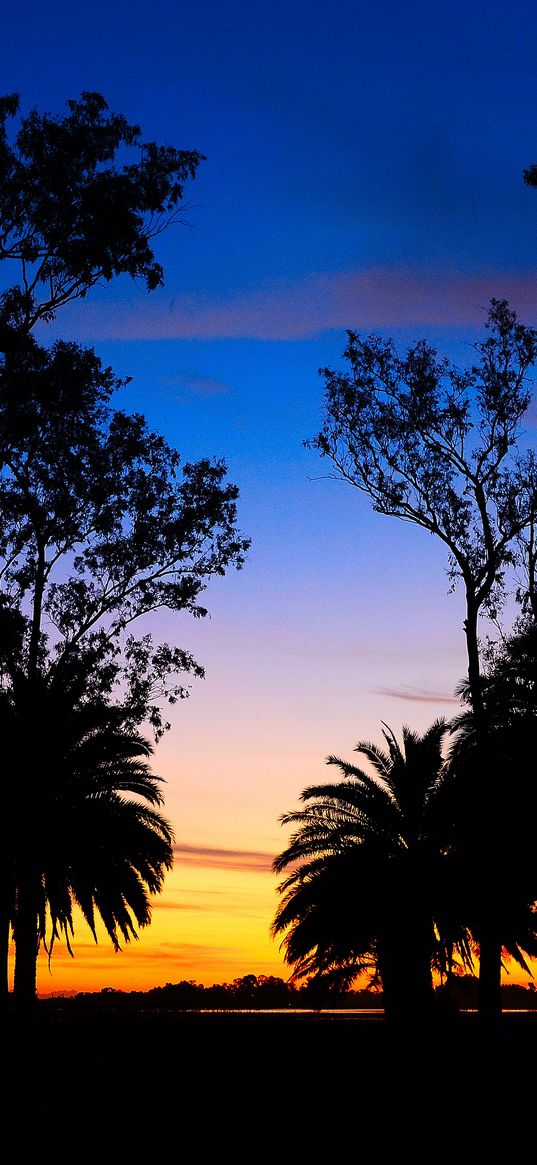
x=26 y=942
x=490 y=973
x=404 y=962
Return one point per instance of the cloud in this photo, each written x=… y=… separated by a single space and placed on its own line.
x=224 y=859
x=180 y=953
x=198 y=386
x=166 y=904
x=377 y=297
x=238 y=908
x=418 y=695
x=187 y=948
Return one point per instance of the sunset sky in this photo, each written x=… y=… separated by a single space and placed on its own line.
x=364 y=170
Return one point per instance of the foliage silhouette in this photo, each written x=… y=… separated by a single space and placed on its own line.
x=99 y=525
x=82 y=827
x=437 y=447
x=510 y=677
x=81 y=199
x=370 y=881
x=510 y=697
x=99 y=522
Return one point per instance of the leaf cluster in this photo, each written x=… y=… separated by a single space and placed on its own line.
x=100 y=523
x=81 y=199
x=83 y=827
x=368 y=859
x=437 y=446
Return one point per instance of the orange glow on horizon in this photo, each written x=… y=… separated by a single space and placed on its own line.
x=211 y=925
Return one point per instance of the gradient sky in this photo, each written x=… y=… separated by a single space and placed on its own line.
x=363 y=170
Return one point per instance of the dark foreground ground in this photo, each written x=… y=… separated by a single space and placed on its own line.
x=203 y=1087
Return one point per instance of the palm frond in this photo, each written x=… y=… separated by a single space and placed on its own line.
x=360 y=847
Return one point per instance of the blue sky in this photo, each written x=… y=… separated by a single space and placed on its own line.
x=364 y=170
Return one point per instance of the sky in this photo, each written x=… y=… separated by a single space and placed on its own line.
x=363 y=170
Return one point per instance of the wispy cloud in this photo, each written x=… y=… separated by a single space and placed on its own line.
x=188 y=948
x=224 y=859
x=231 y=906
x=418 y=695
x=180 y=953
x=378 y=297
x=167 y=904
x=192 y=385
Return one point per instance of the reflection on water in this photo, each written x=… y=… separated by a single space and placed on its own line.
x=342 y=1011
x=339 y=1012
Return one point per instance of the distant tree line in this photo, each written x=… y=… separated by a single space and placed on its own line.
x=269 y=992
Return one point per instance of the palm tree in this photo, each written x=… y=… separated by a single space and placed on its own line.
x=84 y=825
x=369 y=881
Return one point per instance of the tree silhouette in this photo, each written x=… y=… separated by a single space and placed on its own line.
x=369 y=882
x=83 y=827
x=510 y=697
x=81 y=199
x=437 y=447
x=100 y=523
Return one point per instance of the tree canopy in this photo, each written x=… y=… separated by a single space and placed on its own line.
x=82 y=196
x=369 y=882
x=99 y=521
x=438 y=447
